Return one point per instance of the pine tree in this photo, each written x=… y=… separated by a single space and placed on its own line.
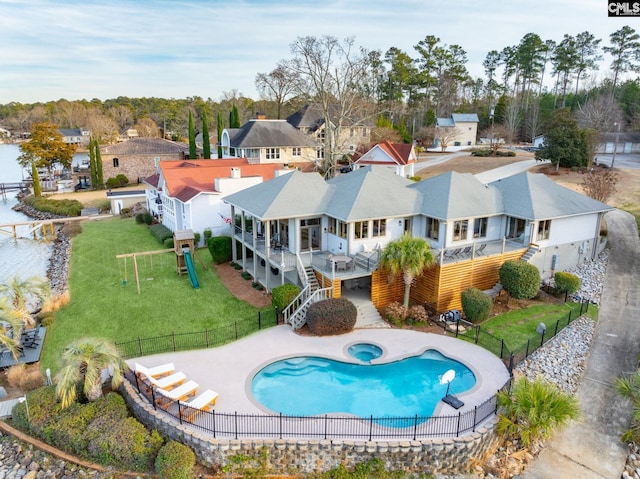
x=234 y=118
x=92 y=163
x=192 y=139
x=99 y=174
x=206 y=145
x=220 y=128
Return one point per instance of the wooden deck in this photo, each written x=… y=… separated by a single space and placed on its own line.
x=28 y=355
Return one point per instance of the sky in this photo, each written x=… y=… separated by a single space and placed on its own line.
x=53 y=49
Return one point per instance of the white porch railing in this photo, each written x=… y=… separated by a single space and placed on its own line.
x=299 y=316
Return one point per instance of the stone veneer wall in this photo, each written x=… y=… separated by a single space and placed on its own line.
x=434 y=456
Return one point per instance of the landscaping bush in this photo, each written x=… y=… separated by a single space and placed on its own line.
x=505 y=153
x=207 y=234
x=140 y=218
x=417 y=313
x=196 y=238
x=168 y=243
x=161 y=232
x=246 y=275
x=100 y=431
x=147 y=218
x=56 y=207
x=482 y=152
x=476 y=305
x=175 y=461
x=27 y=379
x=219 y=247
x=125 y=211
x=112 y=183
x=332 y=316
x=520 y=279
x=282 y=295
x=395 y=313
x=567 y=282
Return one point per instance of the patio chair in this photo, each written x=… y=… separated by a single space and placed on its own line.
x=182 y=392
x=448 y=254
x=168 y=382
x=481 y=248
x=154 y=372
x=200 y=403
x=467 y=250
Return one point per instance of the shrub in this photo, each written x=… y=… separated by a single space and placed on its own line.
x=207 y=234
x=246 y=275
x=56 y=207
x=140 y=218
x=196 y=238
x=219 y=247
x=332 y=316
x=112 y=183
x=481 y=153
x=417 y=313
x=147 y=218
x=520 y=279
x=27 y=379
x=168 y=243
x=125 y=211
x=395 y=313
x=505 y=153
x=567 y=282
x=282 y=295
x=175 y=461
x=476 y=305
x=72 y=229
x=161 y=232
x=122 y=180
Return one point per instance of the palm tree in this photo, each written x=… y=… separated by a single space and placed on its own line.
x=10 y=325
x=82 y=365
x=409 y=256
x=629 y=387
x=534 y=410
x=22 y=292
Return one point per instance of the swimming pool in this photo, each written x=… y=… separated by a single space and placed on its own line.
x=308 y=386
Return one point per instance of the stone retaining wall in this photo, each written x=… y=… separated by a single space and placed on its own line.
x=436 y=456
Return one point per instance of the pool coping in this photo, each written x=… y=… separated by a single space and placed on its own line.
x=229 y=369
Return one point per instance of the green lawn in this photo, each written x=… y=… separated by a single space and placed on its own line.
x=103 y=306
x=518 y=326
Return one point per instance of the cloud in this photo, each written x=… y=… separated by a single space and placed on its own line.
x=94 y=49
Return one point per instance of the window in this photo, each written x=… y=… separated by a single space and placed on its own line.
x=364 y=132
x=460 y=230
x=543 y=230
x=116 y=163
x=273 y=153
x=342 y=229
x=333 y=228
x=352 y=132
x=296 y=151
x=310 y=222
x=433 y=228
x=515 y=228
x=379 y=228
x=480 y=227
x=361 y=229
x=320 y=154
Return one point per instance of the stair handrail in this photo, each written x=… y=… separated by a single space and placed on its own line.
x=317 y=295
x=302 y=274
x=296 y=302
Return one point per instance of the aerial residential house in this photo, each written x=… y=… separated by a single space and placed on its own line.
x=269 y=141
x=465 y=126
x=621 y=142
x=138 y=158
x=188 y=194
x=400 y=157
x=128 y=134
x=354 y=131
x=307 y=231
x=75 y=136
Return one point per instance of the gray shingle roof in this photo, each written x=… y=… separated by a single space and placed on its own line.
x=466 y=117
x=372 y=192
x=146 y=146
x=268 y=134
x=536 y=197
x=291 y=195
x=454 y=195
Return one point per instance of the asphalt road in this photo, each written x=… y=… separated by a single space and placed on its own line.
x=624 y=160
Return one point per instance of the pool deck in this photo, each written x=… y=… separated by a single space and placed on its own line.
x=229 y=369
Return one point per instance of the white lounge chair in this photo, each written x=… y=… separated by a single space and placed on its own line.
x=182 y=392
x=168 y=382
x=155 y=371
x=202 y=402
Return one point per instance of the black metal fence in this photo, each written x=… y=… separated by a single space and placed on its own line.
x=198 y=340
x=511 y=358
x=280 y=426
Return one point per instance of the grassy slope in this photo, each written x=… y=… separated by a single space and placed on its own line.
x=102 y=306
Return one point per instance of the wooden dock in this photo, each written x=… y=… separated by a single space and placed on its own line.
x=42 y=228
x=14 y=186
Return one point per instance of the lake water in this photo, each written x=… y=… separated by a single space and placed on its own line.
x=23 y=255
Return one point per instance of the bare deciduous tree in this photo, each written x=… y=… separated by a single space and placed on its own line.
x=600 y=185
x=496 y=135
x=277 y=86
x=147 y=128
x=101 y=126
x=445 y=135
x=599 y=113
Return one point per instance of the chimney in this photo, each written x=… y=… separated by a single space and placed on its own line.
x=235 y=173
x=261 y=116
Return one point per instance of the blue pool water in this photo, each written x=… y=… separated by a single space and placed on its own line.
x=308 y=386
x=365 y=352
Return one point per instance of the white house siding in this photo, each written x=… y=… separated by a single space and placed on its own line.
x=205 y=213
x=572 y=229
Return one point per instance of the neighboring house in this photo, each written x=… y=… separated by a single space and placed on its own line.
x=138 y=158
x=268 y=141
x=354 y=131
x=399 y=157
x=300 y=220
x=188 y=194
x=120 y=200
x=128 y=134
x=538 y=141
x=626 y=142
x=465 y=126
x=75 y=136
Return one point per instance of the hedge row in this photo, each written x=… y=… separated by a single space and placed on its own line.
x=56 y=207
x=161 y=233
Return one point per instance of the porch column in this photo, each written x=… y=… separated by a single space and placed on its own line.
x=244 y=248
x=234 y=247
x=267 y=254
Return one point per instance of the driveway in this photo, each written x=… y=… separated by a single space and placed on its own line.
x=591 y=448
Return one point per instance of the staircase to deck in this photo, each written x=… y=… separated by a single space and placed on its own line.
x=529 y=254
